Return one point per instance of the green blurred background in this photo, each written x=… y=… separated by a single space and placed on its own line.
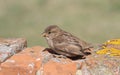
x=94 y=21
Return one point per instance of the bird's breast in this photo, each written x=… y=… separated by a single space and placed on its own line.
x=50 y=42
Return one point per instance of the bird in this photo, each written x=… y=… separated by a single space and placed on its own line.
x=64 y=43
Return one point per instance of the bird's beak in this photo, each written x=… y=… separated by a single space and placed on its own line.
x=43 y=34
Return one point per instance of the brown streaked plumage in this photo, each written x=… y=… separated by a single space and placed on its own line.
x=64 y=43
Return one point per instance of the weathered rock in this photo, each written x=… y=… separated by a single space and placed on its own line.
x=26 y=62
x=9 y=47
x=36 y=61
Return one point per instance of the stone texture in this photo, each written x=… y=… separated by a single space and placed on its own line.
x=9 y=47
x=100 y=65
x=35 y=61
x=38 y=61
x=26 y=62
x=55 y=68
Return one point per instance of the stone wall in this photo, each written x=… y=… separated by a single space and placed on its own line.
x=18 y=59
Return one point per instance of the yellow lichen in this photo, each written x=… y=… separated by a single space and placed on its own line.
x=112 y=51
x=113 y=41
x=103 y=51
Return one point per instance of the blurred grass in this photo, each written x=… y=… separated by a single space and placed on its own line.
x=92 y=20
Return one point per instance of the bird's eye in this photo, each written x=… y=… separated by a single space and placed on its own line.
x=49 y=32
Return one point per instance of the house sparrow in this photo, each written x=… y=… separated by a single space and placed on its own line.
x=64 y=43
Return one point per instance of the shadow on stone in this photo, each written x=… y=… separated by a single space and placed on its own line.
x=77 y=57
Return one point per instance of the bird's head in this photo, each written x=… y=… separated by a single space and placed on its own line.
x=51 y=31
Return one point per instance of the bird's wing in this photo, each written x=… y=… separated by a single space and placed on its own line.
x=68 y=48
x=73 y=39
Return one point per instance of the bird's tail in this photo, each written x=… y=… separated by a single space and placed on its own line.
x=91 y=47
